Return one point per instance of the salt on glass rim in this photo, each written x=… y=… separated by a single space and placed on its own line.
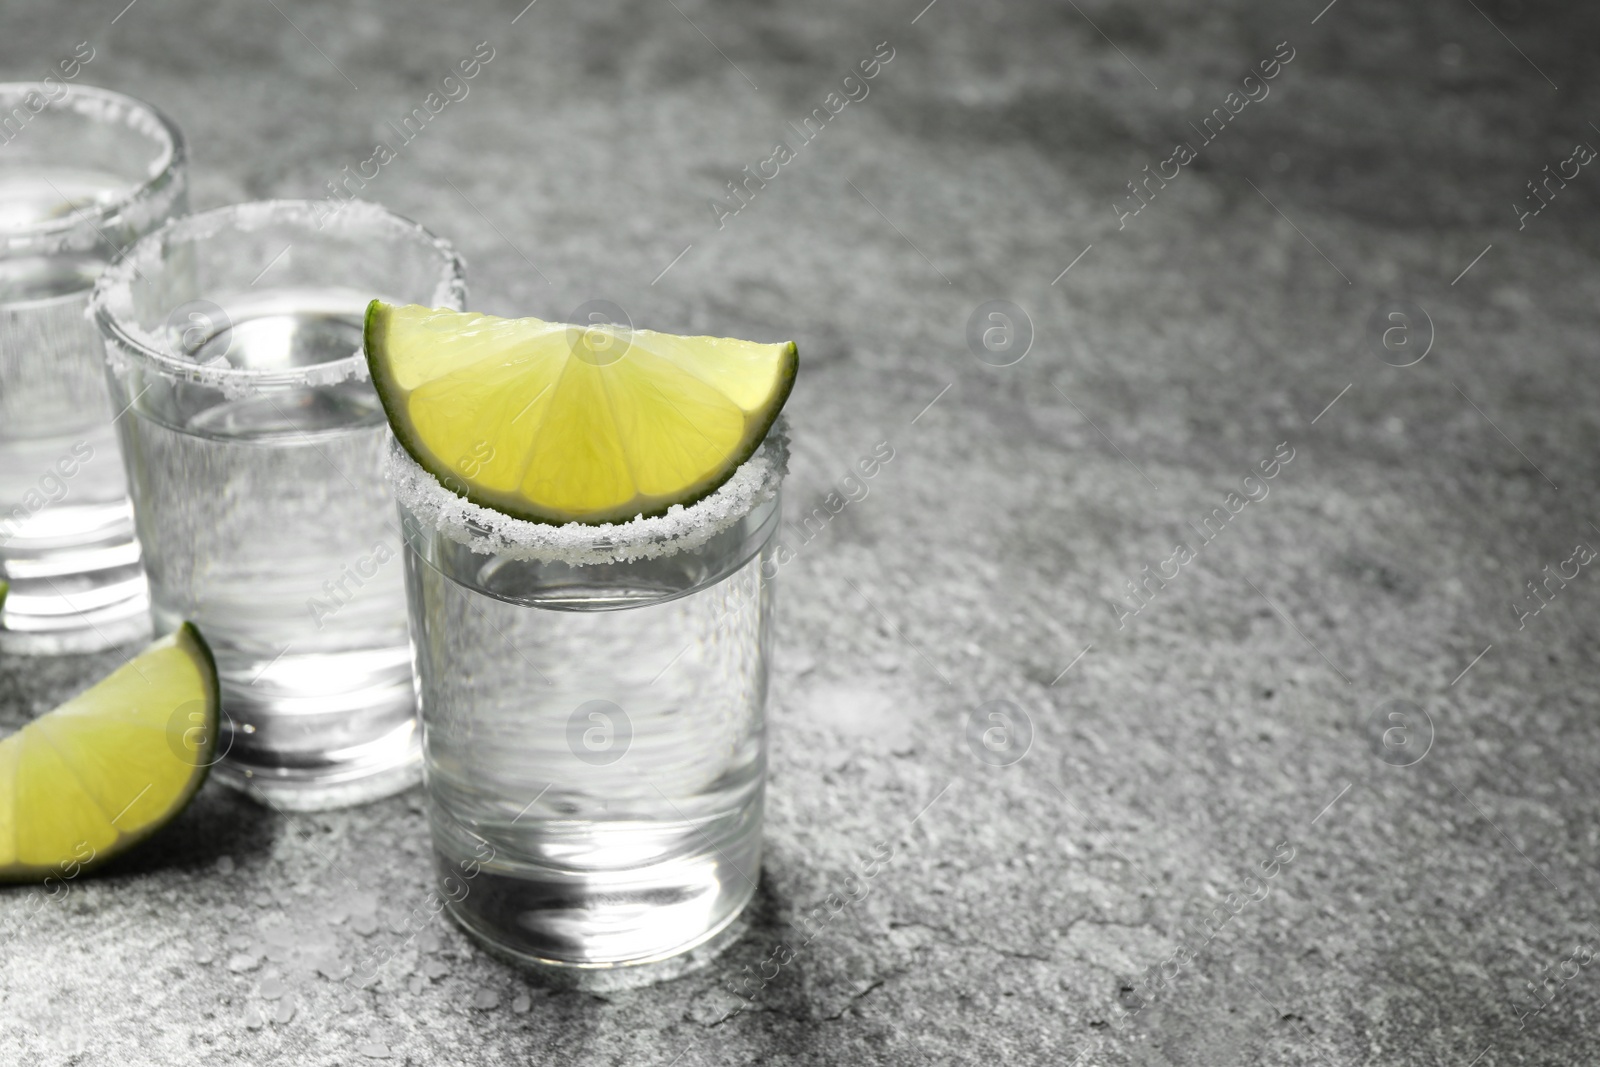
x=141 y=206
x=111 y=305
x=490 y=532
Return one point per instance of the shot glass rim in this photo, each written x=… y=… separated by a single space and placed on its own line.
x=488 y=531
x=162 y=171
x=451 y=285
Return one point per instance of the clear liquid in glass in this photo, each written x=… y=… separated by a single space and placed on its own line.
x=595 y=746
x=266 y=522
x=67 y=548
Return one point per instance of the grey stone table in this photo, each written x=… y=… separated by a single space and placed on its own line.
x=1321 y=793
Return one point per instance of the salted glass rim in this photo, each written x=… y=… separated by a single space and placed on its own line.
x=111 y=304
x=488 y=531
x=112 y=108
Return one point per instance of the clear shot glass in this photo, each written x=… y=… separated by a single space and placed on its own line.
x=83 y=173
x=254 y=444
x=593 y=703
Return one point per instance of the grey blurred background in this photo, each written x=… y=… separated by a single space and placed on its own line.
x=1094 y=888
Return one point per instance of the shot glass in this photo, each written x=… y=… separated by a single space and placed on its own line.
x=593 y=705
x=254 y=451
x=83 y=173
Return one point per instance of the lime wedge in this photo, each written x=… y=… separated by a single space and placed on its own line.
x=110 y=766
x=557 y=423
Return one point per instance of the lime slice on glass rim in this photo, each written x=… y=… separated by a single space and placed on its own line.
x=112 y=765
x=558 y=423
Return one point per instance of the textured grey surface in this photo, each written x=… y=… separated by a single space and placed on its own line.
x=1024 y=910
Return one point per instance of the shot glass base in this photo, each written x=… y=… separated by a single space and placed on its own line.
x=289 y=789
x=613 y=976
x=84 y=598
x=316 y=731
